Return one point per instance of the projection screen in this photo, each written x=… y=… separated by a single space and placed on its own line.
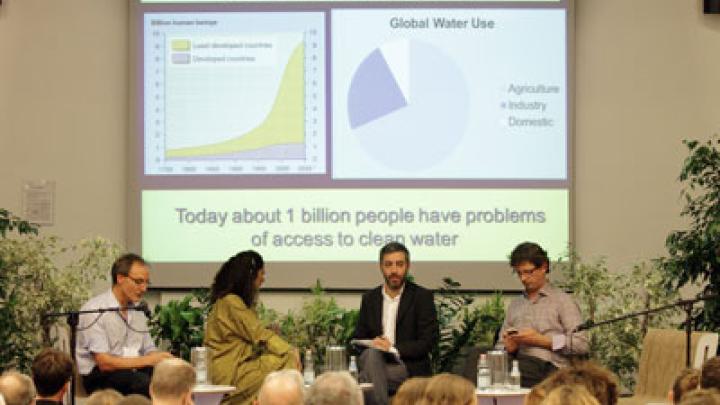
x=316 y=131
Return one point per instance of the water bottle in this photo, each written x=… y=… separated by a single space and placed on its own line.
x=352 y=368
x=514 y=380
x=483 y=373
x=309 y=369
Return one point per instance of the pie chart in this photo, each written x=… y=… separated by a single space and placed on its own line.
x=408 y=104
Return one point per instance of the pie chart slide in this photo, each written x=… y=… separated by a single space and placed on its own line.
x=408 y=104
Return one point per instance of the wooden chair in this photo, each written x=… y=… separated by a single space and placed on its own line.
x=662 y=359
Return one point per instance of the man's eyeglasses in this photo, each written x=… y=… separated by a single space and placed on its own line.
x=139 y=281
x=526 y=272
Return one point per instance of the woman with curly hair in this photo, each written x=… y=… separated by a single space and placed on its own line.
x=243 y=350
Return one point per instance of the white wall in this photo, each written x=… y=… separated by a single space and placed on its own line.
x=647 y=77
x=63 y=109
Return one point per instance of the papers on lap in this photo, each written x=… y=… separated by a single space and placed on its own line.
x=369 y=343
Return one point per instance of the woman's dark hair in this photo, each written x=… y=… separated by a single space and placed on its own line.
x=237 y=276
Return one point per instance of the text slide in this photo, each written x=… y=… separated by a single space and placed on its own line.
x=350 y=224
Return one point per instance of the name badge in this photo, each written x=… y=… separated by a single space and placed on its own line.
x=130 y=352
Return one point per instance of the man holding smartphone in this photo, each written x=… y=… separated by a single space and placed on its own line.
x=539 y=326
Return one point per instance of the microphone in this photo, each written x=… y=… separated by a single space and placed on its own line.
x=585 y=325
x=141 y=306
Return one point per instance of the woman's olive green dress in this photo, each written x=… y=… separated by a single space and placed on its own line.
x=243 y=350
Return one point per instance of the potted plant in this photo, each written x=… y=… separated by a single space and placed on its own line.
x=694 y=254
x=603 y=295
x=39 y=275
x=178 y=326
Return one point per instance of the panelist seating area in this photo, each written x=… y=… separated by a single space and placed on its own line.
x=661 y=360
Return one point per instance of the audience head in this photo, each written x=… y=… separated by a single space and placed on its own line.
x=134 y=399
x=334 y=388
x=411 y=391
x=449 y=389
x=710 y=374
x=570 y=395
x=51 y=373
x=600 y=382
x=284 y=387
x=104 y=397
x=701 y=397
x=172 y=382
x=536 y=395
x=687 y=380
x=241 y=275
x=17 y=388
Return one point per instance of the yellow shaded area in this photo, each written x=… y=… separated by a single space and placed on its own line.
x=285 y=124
x=180 y=45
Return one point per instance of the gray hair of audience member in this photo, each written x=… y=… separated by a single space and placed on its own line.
x=134 y=399
x=334 y=388
x=17 y=388
x=710 y=374
x=106 y=396
x=172 y=379
x=284 y=387
x=574 y=394
x=701 y=396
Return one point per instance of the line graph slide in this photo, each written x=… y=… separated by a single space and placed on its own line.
x=281 y=134
x=239 y=96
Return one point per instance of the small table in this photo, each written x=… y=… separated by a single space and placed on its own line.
x=501 y=396
x=206 y=394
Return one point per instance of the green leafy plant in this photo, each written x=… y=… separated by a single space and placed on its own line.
x=694 y=254
x=455 y=329
x=604 y=295
x=10 y=222
x=462 y=325
x=179 y=324
x=40 y=275
x=319 y=323
x=490 y=314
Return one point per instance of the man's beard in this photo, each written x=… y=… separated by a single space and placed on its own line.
x=392 y=283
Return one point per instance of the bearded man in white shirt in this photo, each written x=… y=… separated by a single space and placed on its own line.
x=398 y=322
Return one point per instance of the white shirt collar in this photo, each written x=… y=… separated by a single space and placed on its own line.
x=397 y=297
